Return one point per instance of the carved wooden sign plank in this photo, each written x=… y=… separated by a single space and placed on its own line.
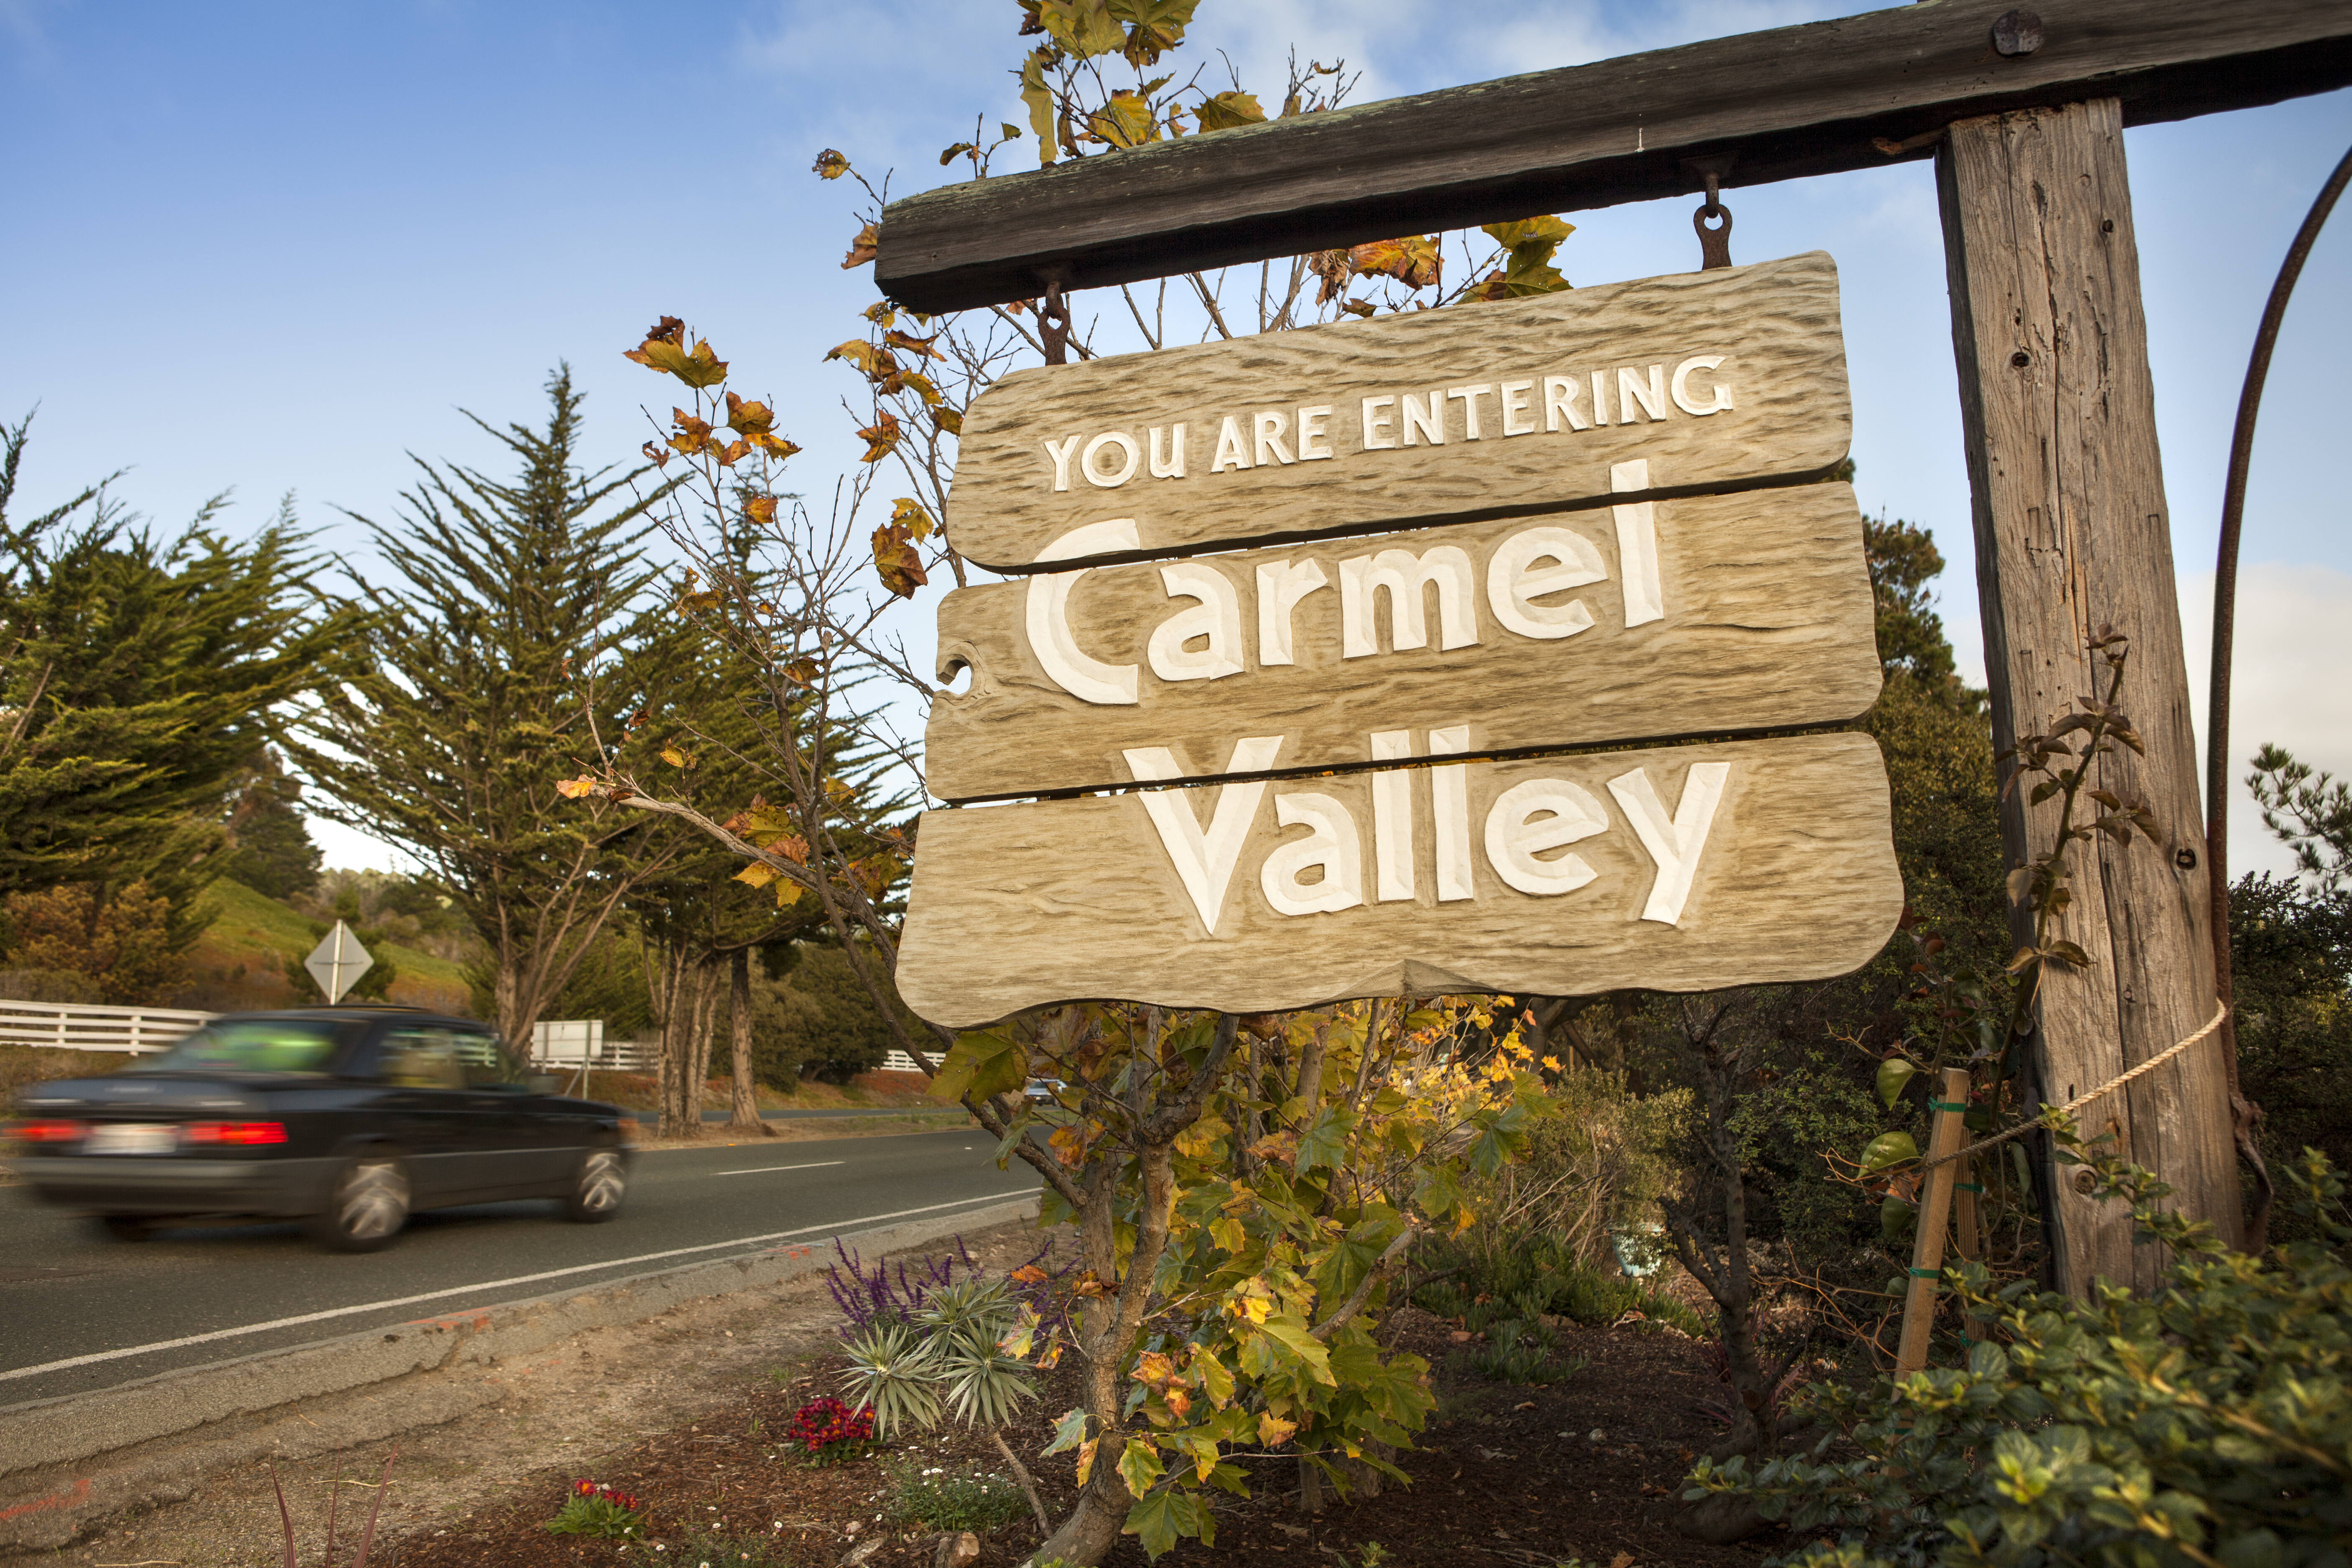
x=1718 y=380
x=1695 y=615
x=1681 y=869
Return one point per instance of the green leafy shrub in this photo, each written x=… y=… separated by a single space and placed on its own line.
x=2207 y=1424
x=937 y=1497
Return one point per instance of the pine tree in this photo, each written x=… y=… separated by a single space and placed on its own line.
x=494 y=667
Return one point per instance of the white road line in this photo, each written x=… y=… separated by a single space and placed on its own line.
x=771 y=1170
x=491 y=1285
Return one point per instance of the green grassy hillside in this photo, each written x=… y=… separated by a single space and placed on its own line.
x=240 y=960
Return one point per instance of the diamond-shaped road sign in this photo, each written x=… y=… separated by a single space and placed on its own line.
x=337 y=962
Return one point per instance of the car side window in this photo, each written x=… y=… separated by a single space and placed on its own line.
x=421 y=1059
x=484 y=1060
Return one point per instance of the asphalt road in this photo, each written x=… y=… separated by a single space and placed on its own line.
x=111 y=1310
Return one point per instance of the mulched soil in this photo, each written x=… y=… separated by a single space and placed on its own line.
x=1589 y=1469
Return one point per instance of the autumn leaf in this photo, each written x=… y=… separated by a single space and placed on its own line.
x=573 y=789
x=949 y=419
x=1357 y=307
x=733 y=453
x=900 y=563
x=700 y=368
x=1227 y=110
x=948 y=154
x=775 y=445
x=831 y=166
x=746 y=417
x=710 y=599
x=871 y=358
x=1039 y=97
x=916 y=518
x=762 y=510
x=1125 y=122
x=756 y=875
x=675 y=758
x=1083 y=28
x=1273 y=1431
x=660 y=454
x=791 y=846
x=863 y=249
x=1413 y=261
x=879 y=437
x=914 y=345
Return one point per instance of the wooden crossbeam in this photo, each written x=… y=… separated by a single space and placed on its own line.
x=1792 y=102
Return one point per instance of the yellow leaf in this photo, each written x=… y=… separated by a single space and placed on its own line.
x=879 y=437
x=912 y=513
x=1039 y=97
x=864 y=248
x=748 y=418
x=831 y=166
x=1125 y=122
x=1254 y=1310
x=700 y=368
x=949 y=419
x=675 y=758
x=788 y=893
x=1087 y=1458
x=573 y=789
x=761 y=509
x=869 y=358
x=1227 y=110
x=1273 y=1431
x=756 y=875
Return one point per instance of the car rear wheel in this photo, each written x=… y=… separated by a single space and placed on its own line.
x=367 y=1206
x=598 y=1188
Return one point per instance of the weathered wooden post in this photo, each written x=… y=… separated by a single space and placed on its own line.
x=2072 y=532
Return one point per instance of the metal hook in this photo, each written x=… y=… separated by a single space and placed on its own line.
x=1713 y=243
x=1054 y=323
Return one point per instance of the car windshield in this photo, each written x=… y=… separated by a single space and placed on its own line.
x=252 y=1044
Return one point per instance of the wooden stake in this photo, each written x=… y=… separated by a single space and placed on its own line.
x=2072 y=532
x=1968 y=1236
x=1934 y=1210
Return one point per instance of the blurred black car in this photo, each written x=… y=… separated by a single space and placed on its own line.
x=349 y=1118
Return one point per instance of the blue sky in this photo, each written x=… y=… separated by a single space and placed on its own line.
x=272 y=247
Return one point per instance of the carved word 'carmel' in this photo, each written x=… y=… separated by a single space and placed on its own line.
x=1478 y=411
x=1323 y=872
x=1204 y=643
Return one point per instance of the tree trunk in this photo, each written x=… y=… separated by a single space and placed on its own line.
x=746 y=1116
x=2072 y=532
x=705 y=1016
x=672 y=993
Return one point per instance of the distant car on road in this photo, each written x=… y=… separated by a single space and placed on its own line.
x=348 y=1118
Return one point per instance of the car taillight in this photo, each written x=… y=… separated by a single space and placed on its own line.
x=233 y=1132
x=48 y=1131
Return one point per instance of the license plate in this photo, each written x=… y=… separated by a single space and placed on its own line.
x=131 y=1138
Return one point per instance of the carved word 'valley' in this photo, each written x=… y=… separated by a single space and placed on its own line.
x=1323 y=872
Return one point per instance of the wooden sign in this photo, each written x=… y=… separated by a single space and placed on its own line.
x=1688 y=616
x=1678 y=868
x=1719 y=380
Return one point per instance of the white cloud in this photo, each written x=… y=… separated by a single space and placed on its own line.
x=2286 y=683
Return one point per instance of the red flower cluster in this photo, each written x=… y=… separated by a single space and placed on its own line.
x=603 y=1493
x=824 y=1421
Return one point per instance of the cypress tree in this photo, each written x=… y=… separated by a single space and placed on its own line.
x=143 y=677
x=496 y=665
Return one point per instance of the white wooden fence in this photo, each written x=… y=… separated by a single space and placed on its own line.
x=899 y=1061
x=77 y=1026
